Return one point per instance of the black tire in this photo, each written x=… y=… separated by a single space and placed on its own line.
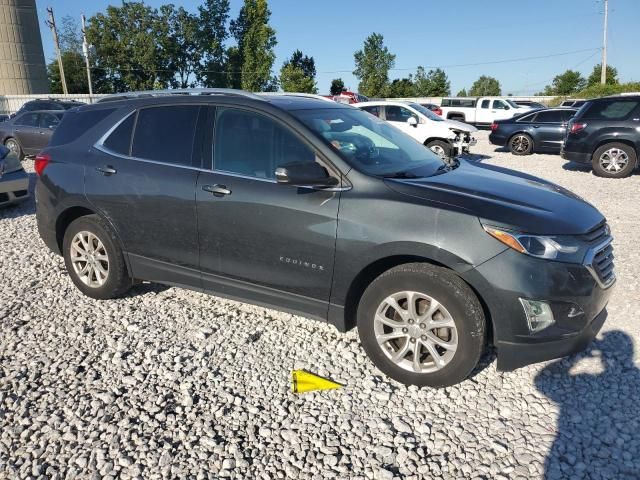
x=440 y=147
x=521 y=144
x=117 y=280
x=18 y=147
x=599 y=162
x=453 y=294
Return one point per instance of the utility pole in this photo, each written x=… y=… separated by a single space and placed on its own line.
x=85 y=50
x=52 y=25
x=603 y=74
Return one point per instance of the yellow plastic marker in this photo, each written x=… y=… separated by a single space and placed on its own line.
x=303 y=381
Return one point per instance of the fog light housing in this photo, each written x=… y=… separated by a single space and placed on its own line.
x=538 y=313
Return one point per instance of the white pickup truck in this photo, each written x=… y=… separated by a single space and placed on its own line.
x=480 y=110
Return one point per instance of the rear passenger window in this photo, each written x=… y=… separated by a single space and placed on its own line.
x=253 y=145
x=552 y=116
x=120 y=139
x=74 y=124
x=485 y=103
x=165 y=134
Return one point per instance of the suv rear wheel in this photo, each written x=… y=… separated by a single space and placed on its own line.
x=422 y=325
x=614 y=160
x=94 y=259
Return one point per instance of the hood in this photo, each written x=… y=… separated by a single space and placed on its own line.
x=465 y=127
x=506 y=198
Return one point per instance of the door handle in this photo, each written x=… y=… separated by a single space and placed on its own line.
x=217 y=190
x=536 y=126
x=107 y=170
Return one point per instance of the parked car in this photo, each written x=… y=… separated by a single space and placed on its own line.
x=575 y=102
x=14 y=182
x=540 y=131
x=433 y=107
x=446 y=138
x=480 y=110
x=605 y=133
x=529 y=103
x=29 y=132
x=47 y=104
x=3 y=117
x=348 y=97
x=324 y=210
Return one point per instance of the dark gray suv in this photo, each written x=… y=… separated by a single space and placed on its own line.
x=317 y=208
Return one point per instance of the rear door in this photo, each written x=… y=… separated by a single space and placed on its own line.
x=27 y=132
x=142 y=177
x=483 y=111
x=259 y=240
x=549 y=128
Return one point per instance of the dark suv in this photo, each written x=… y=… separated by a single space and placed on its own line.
x=606 y=134
x=317 y=208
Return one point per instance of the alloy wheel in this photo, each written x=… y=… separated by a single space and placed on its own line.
x=416 y=332
x=12 y=145
x=614 y=160
x=438 y=150
x=89 y=259
x=520 y=143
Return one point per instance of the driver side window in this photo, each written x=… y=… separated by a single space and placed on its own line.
x=500 y=105
x=395 y=113
x=253 y=145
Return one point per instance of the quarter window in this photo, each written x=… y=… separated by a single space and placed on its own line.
x=253 y=145
x=165 y=134
x=120 y=139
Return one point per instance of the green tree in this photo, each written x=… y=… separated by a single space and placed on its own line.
x=256 y=41
x=566 y=83
x=595 y=77
x=298 y=74
x=337 y=86
x=75 y=73
x=401 y=88
x=178 y=39
x=373 y=63
x=432 y=84
x=216 y=64
x=462 y=93
x=485 y=86
x=127 y=49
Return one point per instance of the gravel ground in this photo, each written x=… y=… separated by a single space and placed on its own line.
x=168 y=383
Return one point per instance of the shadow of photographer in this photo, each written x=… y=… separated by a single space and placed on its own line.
x=598 y=429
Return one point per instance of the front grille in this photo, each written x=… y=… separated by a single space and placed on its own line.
x=20 y=193
x=598 y=234
x=603 y=264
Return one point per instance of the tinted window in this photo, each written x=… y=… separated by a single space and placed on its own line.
x=485 y=103
x=75 y=124
x=31 y=106
x=27 y=120
x=463 y=103
x=251 y=144
x=120 y=139
x=526 y=118
x=372 y=110
x=48 y=120
x=567 y=114
x=445 y=102
x=395 y=113
x=610 y=110
x=165 y=134
x=549 y=116
x=500 y=105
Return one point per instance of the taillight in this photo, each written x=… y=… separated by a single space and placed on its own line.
x=577 y=127
x=494 y=126
x=41 y=162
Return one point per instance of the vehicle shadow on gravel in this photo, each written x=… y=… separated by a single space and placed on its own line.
x=474 y=157
x=597 y=429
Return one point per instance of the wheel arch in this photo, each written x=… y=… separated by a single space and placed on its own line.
x=522 y=132
x=431 y=139
x=376 y=268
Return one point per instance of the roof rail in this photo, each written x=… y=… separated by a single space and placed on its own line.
x=179 y=91
x=294 y=94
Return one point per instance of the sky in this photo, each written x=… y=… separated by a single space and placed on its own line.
x=432 y=33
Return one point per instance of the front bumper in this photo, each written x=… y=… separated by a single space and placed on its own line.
x=576 y=298
x=14 y=187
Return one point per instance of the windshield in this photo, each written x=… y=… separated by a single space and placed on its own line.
x=426 y=112
x=371 y=145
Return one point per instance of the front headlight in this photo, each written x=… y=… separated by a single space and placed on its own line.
x=563 y=248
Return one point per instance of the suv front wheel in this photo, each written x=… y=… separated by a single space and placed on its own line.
x=94 y=259
x=422 y=325
x=614 y=160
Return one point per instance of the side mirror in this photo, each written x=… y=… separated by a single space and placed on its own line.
x=304 y=174
x=412 y=121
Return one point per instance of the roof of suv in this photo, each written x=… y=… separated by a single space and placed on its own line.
x=284 y=101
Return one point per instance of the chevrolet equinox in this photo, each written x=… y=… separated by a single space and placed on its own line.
x=317 y=208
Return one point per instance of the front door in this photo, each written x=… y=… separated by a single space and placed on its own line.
x=146 y=188
x=261 y=241
x=399 y=116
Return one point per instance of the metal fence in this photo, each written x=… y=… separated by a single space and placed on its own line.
x=11 y=103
